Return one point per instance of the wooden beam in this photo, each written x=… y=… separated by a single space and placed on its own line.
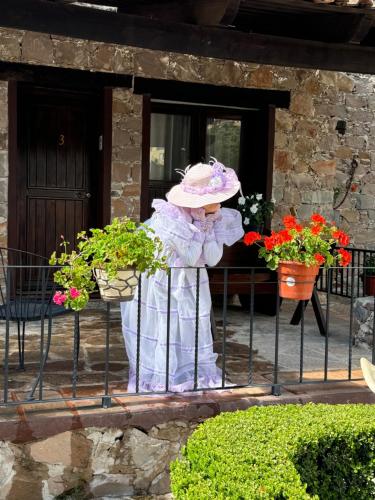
x=92 y=24
x=299 y=6
x=169 y=90
x=231 y=12
x=107 y=3
x=294 y=20
x=13 y=162
x=203 y=12
x=62 y=77
x=362 y=29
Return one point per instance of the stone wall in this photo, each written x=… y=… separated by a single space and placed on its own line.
x=357 y=213
x=3 y=162
x=126 y=153
x=92 y=463
x=363 y=310
x=311 y=162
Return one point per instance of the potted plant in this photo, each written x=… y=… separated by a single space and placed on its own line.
x=369 y=275
x=297 y=252
x=112 y=257
x=255 y=211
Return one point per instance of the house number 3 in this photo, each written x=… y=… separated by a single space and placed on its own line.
x=61 y=140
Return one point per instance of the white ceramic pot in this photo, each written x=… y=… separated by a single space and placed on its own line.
x=121 y=288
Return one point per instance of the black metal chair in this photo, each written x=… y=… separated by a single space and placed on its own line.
x=26 y=293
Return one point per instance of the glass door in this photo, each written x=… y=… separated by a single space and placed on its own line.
x=170 y=143
x=187 y=134
x=223 y=140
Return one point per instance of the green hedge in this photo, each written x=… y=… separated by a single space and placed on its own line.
x=280 y=452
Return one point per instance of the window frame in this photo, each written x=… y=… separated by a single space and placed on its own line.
x=256 y=143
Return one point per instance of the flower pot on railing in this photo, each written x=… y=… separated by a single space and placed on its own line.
x=121 y=288
x=298 y=251
x=369 y=285
x=122 y=249
x=296 y=280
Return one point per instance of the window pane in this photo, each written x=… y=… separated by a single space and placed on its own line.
x=223 y=141
x=169 y=145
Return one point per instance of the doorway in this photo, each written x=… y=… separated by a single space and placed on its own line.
x=183 y=134
x=58 y=168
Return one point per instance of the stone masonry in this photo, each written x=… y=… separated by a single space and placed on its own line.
x=311 y=161
x=93 y=463
x=364 y=320
x=126 y=153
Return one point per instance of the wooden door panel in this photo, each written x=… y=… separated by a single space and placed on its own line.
x=58 y=138
x=57 y=144
x=55 y=218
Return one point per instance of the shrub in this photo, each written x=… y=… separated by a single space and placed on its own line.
x=280 y=452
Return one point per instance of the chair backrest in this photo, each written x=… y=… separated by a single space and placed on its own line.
x=26 y=284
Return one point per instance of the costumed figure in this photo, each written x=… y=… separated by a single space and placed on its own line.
x=193 y=229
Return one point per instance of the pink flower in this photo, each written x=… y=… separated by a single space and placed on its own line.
x=59 y=298
x=74 y=293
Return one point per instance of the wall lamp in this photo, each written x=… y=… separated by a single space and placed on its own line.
x=341 y=127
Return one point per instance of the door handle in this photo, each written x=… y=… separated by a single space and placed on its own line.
x=83 y=195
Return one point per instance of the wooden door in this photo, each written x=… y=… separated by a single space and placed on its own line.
x=57 y=181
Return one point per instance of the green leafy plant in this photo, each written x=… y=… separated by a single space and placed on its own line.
x=119 y=245
x=278 y=452
x=310 y=245
x=369 y=265
x=255 y=210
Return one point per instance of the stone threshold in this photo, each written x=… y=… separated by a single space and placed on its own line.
x=29 y=422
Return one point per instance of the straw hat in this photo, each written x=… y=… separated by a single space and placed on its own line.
x=203 y=184
x=368 y=370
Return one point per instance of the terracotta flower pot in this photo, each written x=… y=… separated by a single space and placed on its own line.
x=122 y=288
x=296 y=281
x=369 y=285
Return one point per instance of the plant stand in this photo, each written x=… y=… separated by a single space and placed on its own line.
x=318 y=312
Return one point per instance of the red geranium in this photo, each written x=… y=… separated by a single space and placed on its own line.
x=284 y=236
x=252 y=237
x=317 y=229
x=289 y=221
x=318 y=219
x=269 y=242
x=346 y=257
x=341 y=237
x=319 y=259
x=311 y=244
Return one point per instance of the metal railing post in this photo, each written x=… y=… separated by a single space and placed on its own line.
x=196 y=331
x=276 y=389
x=106 y=399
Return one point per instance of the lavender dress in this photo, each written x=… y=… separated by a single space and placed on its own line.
x=189 y=239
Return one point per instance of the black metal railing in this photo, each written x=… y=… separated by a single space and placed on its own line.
x=343 y=283
x=27 y=382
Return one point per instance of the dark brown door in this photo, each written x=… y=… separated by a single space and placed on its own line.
x=58 y=144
